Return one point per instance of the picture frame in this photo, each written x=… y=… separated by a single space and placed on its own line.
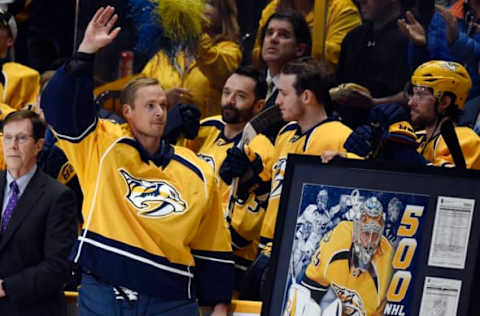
x=434 y=247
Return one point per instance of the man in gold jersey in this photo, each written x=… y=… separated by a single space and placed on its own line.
x=304 y=102
x=154 y=239
x=242 y=98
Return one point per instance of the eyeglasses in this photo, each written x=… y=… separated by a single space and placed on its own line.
x=418 y=93
x=420 y=97
x=21 y=139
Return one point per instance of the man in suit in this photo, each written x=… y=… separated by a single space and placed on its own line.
x=38 y=225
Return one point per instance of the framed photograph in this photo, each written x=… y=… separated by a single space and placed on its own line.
x=371 y=238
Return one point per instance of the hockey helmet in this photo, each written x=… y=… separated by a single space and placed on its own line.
x=444 y=76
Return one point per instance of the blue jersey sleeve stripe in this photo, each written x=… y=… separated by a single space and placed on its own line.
x=116 y=269
x=190 y=165
x=79 y=138
x=341 y=255
x=134 y=252
x=218 y=255
x=214 y=277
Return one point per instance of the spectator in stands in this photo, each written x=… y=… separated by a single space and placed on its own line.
x=453 y=35
x=342 y=16
x=154 y=238
x=374 y=55
x=198 y=77
x=38 y=226
x=286 y=36
x=19 y=84
x=242 y=98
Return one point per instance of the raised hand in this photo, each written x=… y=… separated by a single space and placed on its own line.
x=412 y=29
x=451 y=23
x=99 y=31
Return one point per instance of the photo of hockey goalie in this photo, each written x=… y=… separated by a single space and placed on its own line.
x=342 y=249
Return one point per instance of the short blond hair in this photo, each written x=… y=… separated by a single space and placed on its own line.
x=128 y=94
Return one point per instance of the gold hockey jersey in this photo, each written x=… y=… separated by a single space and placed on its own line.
x=437 y=152
x=329 y=134
x=153 y=223
x=361 y=293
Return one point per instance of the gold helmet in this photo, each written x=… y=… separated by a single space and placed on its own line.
x=444 y=76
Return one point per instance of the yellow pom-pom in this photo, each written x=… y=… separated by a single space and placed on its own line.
x=181 y=19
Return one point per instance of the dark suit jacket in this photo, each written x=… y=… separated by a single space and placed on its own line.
x=35 y=247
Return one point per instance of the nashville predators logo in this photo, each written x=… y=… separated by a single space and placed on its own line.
x=352 y=304
x=153 y=198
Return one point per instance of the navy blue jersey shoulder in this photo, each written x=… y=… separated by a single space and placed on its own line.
x=288 y=127
x=161 y=158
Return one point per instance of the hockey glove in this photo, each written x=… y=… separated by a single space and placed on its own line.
x=361 y=140
x=182 y=119
x=191 y=120
x=387 y=114
x=236 y=164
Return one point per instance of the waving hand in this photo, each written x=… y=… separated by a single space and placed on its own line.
x=99 y=30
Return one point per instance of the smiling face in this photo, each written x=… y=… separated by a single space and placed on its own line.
x=289 y=102
x=20 y=149
x=279 y=43
x=148 y=116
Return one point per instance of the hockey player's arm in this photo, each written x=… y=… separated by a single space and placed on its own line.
x=211 y=248
x=67 y=100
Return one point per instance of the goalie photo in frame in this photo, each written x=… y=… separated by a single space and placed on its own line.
x=354 y=237
x=340 y=234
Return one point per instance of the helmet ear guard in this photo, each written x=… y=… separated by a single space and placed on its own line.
x=444 y=76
